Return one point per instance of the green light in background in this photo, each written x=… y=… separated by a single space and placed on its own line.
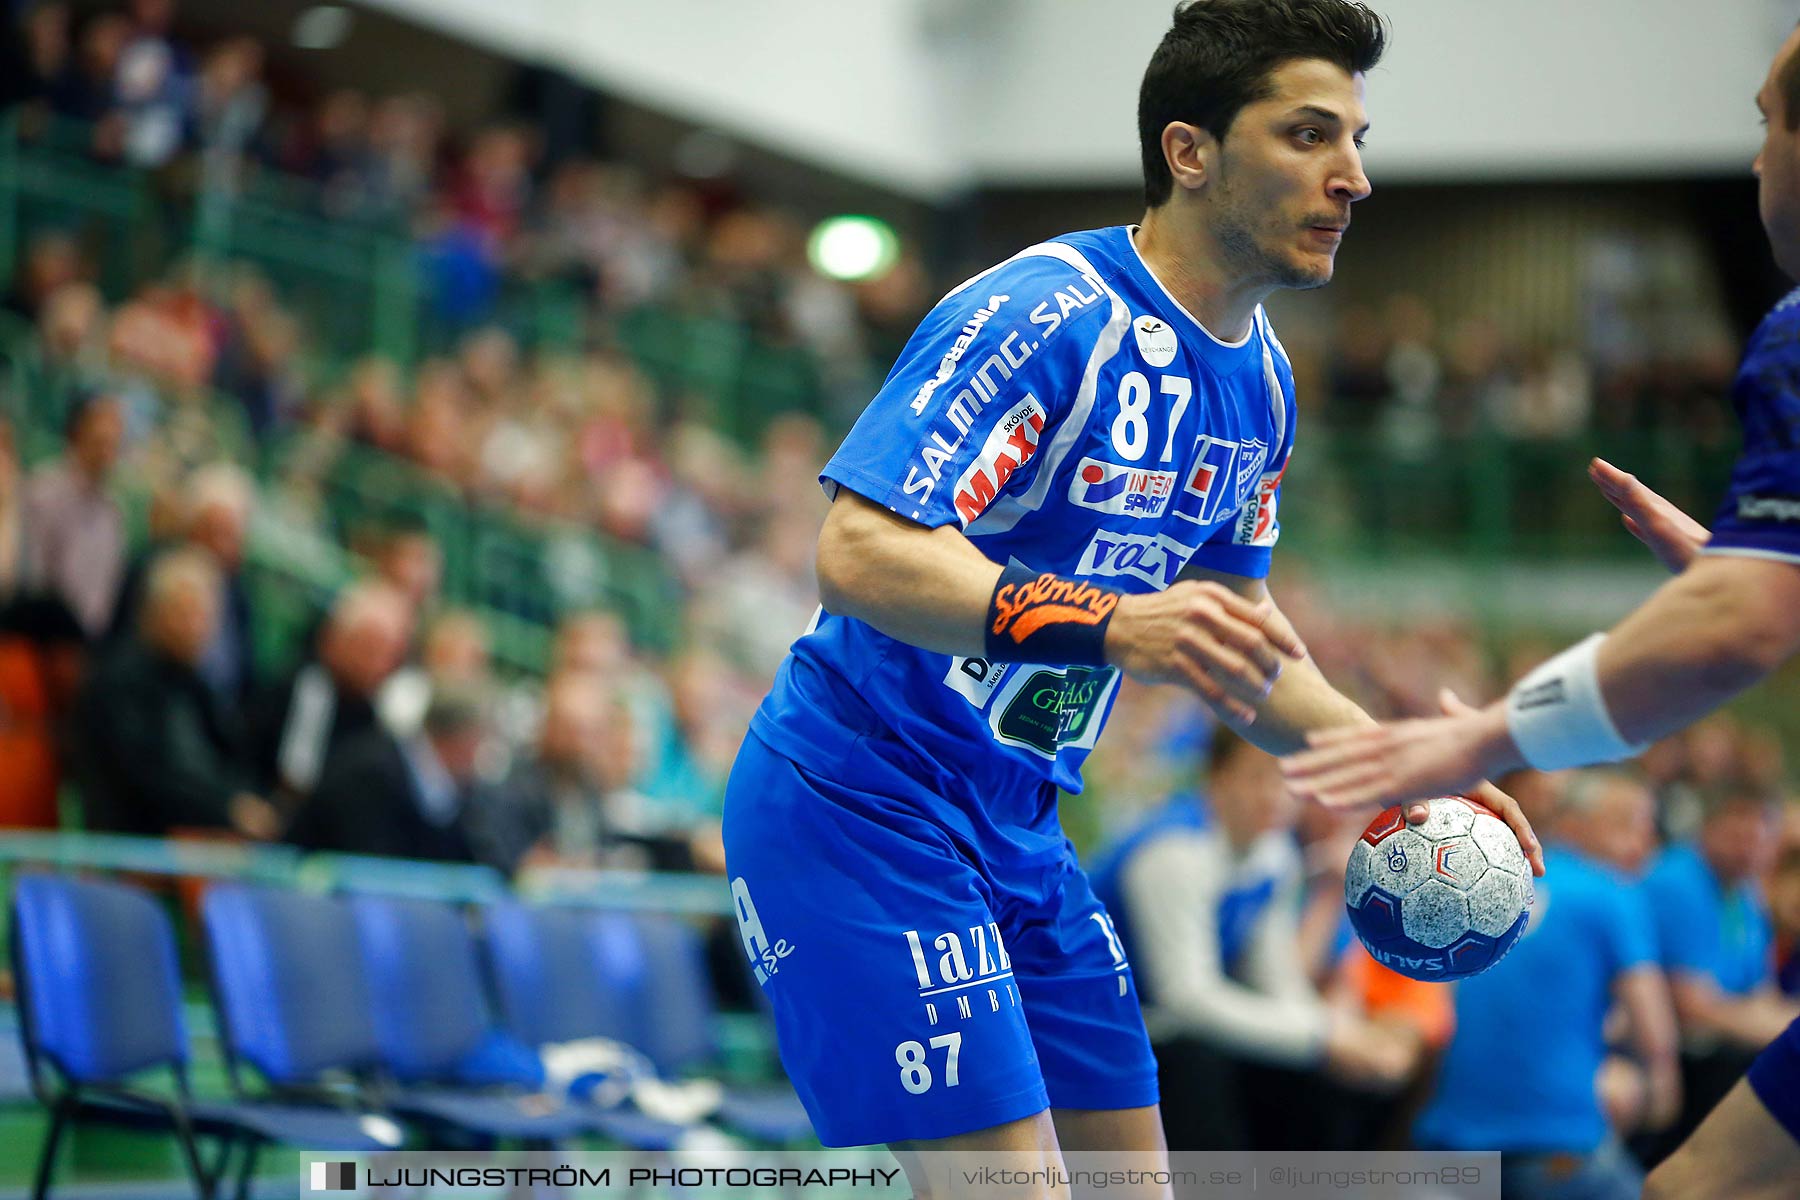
x=852 y=249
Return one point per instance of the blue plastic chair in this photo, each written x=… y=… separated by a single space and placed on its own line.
x=641 y=979
x=100 y=1004
x=548 y=966
x=435 y=1034
x=675 y=990
x=293 y=1005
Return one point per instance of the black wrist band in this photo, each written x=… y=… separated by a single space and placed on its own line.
x=1047 y=618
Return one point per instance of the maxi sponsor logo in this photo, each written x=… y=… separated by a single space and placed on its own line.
x=960 y=347
x=1011 y=444
x=1110 y=488
x=1155 y=560
x=939 y=449
x=983 y=385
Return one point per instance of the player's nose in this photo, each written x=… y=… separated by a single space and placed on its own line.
x=1353 y=184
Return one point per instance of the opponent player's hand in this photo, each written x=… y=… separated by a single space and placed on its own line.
x=1374 y=765
x=1672 y=535
x=1206 y=636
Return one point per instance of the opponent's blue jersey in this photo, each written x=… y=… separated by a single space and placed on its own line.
x=1761 y=513
x=1067 y=414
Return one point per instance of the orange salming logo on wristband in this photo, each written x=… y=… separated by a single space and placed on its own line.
x=1021 y=609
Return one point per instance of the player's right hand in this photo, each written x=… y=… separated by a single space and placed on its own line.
x=1206 y=636
x=1672 y=535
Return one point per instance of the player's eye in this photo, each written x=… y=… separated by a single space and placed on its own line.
x=1309 y=135
x=1360 y=143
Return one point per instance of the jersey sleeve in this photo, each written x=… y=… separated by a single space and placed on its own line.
x=1760 y=516
x=982 y=385
x=1245 y=545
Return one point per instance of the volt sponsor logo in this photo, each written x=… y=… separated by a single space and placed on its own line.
x=1012 y=443
x=1155 y=560
x=958 y=348
x=1125 y=491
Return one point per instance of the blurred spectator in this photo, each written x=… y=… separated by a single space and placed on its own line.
x=763 y=598
x=408 y=560
x=154 y=87
x=74 y=531
x=301 y=724
x=1784 y=912
x=12 y=520
x=43 y=654
x=572 y=800
x=216 y=507
x=555 y=790
x=229 y=107
x=410 y=797
x=685 y=775
x=155 y=750
x=1713 y=927
x=1522 y=1073
x=1205 y=900
x=83 y=89
x=69 y=354
x=52 y=260
x=454 y=652
x=1612 y=817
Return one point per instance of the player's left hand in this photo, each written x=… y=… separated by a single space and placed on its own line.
x=1399 y=762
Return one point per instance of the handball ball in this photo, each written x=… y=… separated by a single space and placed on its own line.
x=1441 y=900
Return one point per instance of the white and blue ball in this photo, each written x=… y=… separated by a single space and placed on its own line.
x=1442 y=900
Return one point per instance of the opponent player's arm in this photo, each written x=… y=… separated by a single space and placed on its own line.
x=1303 y=703
x=933 y=588
x=1708 y=634
x=1740 y=1152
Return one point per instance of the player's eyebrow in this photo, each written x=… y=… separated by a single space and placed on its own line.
x=1325 y=114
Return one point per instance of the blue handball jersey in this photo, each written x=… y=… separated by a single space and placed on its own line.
x=1760 y=517
x=1067 y=414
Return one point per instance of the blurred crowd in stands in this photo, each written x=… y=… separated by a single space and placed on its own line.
x=1398 y=372
x=139 y=697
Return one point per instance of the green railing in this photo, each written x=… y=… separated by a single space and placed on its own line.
x=521 y=573
x=1483 y=499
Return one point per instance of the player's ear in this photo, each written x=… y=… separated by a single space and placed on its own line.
x=1192 y=154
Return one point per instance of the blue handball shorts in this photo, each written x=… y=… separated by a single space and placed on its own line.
x=1775 y=1078
x=918 y=990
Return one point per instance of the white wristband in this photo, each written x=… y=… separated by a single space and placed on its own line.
x=1557 y=716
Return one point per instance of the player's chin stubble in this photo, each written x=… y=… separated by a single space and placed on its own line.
x=1253 y=258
